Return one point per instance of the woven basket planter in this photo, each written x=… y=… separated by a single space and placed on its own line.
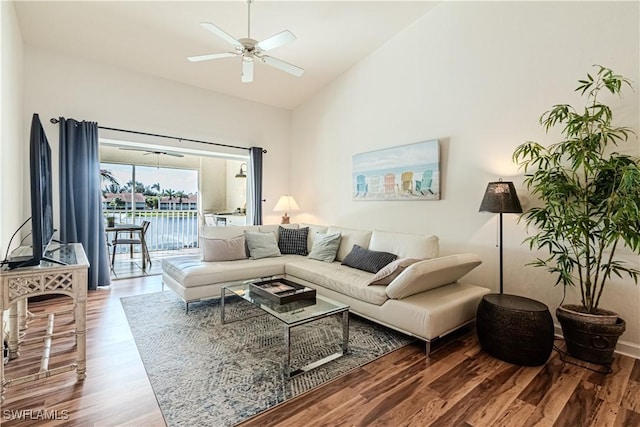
x=589 y=338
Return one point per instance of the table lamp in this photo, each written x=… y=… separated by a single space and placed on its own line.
x=286 y=204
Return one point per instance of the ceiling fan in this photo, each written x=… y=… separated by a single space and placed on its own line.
x=147 y=152
x=250 y=49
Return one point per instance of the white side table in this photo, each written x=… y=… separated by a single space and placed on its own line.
x=46 y=279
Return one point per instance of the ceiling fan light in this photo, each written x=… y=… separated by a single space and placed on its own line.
x=247 y=69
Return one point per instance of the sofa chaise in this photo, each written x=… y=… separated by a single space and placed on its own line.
x=421 y=297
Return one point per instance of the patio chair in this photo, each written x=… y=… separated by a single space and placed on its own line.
x=134 y=237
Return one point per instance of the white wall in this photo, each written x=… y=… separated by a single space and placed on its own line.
x=476 y=76
x=59 y=85
x=13 y=145
x=213 y=184
x=237 y=187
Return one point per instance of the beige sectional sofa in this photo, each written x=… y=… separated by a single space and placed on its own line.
x=425 y=300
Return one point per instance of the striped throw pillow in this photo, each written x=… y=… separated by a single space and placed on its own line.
x=293 y=240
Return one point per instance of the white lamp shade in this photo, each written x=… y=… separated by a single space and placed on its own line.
x=286 y=204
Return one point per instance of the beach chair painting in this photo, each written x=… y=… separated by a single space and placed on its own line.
x=424 y=186
x=405 y=172
x=389 y=183
x=407 y=182
x=361 y=186
x=374 y=185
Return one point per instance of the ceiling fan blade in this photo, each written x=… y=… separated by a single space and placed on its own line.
x=284 y=66
x=163 y=153
x=147 y=152
x=247 y=69
x=277 y=40
x=222 y=34
x=212 y=56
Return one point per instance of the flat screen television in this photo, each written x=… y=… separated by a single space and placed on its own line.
x=41 y=199
x=41 y=190
x=41 y=195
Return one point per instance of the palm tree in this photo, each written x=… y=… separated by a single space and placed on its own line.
x=169 y=193
x=138 y=186
x=113 y=186
x=153 y=189
x=107 y=175
x=181 y=195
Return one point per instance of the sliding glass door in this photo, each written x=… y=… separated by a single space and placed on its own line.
x=166 y=197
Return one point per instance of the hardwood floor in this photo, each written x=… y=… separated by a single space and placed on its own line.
x=458 y=386
x=116 y=391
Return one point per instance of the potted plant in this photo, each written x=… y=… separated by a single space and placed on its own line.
x=590 y=207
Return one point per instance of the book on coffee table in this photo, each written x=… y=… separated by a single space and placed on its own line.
x=282 y=291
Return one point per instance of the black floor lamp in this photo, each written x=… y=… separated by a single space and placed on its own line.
x=500 y=197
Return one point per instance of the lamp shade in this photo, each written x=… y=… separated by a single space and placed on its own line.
x=286 y=204
x=500 y=197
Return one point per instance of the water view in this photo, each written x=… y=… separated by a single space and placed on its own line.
x=168 y=230
x=166 y=197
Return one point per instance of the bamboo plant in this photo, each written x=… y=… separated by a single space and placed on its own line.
x=589 y=194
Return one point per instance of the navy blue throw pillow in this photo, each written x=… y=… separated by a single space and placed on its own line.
x=293 y=240
x=367 y=260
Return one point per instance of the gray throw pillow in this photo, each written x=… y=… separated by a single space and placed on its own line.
x=325 y=247
x=261 y=245
x=223 y=249
x=366 y=260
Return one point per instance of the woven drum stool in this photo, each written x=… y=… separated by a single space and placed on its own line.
x=515 y=329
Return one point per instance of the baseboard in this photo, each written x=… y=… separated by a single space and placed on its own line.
x=625 y=348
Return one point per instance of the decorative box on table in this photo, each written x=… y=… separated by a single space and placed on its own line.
x=282 y=291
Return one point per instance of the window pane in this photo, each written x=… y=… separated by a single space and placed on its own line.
x=166 y=197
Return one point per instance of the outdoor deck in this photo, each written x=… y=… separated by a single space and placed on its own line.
x=171 y=233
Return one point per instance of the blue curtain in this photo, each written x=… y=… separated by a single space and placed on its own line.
x=255 y=186
x=81 y=218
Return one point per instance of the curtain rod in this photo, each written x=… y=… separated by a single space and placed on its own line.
x=56 y=121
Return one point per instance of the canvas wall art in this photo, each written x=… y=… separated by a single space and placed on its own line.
x=405 y=172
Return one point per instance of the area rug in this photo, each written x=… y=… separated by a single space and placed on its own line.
x=206 y=373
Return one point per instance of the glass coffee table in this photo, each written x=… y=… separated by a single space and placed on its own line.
x=291 y=315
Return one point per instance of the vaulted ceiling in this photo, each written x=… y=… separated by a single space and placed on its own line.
x=156 y=37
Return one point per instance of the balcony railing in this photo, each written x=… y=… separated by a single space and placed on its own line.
x=169 y=229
